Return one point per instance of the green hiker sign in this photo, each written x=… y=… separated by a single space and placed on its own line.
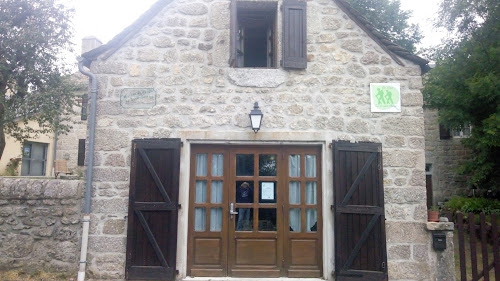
x=385 y=97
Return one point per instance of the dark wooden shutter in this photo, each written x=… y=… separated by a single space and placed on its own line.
x=360 y=246
x=81 y=152
x=444 y=133
x=234 y=34
x=152 y=219
x=294 y=34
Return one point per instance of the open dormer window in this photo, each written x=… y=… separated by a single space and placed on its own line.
x=254 y=29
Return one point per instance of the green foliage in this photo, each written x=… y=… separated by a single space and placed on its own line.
x=12 y=167
x=465 y=85
x=33 y=87
x=390 y=20
x=473 y=205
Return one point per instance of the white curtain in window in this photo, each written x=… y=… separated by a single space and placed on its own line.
x=295 y=220
x=311 y=218
x=216 y=192
x=310 y=166
x=217 y=165
x=201 y=192
x=215 y=219
x=294 y=166
x=199 y=219
x=201 y=165
x=311 y=193
x=294 y=192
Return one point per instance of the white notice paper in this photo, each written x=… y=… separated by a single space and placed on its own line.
x=267 y=192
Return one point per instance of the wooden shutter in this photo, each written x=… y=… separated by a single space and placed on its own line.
x=85 y=102
x=294 y=34
x=81 y=152
x=360 y=246
x=152 y=219
x=444 y=133
x=234 y=34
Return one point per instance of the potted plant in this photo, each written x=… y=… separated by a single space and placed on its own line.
x=433 y=214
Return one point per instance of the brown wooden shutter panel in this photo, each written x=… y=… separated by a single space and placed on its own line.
x=444 y=133
x=234 y=34
x=360 y=246
x=85 y=102
x=153 y=208
x=294 y=34
x=81 y=152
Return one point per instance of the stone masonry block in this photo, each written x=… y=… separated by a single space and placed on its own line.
x=110 y=206
x=403 y=232
x=399 y=252
x=405 y=195
x=418 y=271
x=107 y=244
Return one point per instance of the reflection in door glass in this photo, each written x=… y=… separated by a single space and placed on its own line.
x=295 y=220
x=311 y=166
x=215 y=219
x=201 y=192
x=201 y=165
x=311 y=220
x=267 y=165
x=267 y=219
x=294 y=191
x=294 y=166
x=199 y=219
x=311 y=193
x=216 y=192
x=217 y=165
x=244 y=192
x=244 y=219
x=244 y=165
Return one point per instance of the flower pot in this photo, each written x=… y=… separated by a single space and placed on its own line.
x=432 y=216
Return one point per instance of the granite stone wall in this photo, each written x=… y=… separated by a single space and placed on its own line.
x=40 y=224
x=444 y=156
x=183 y=55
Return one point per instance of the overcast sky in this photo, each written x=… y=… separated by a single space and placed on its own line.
x=106 y=18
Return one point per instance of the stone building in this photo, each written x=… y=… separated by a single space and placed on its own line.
x=444 y=153
x=329 y=187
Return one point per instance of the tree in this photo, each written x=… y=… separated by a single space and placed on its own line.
x=465 y=84
x=390 y=20
x=33 y=84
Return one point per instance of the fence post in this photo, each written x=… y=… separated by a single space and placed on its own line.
x=445 y=265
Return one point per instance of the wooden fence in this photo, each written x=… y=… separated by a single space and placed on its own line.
x=478 y=236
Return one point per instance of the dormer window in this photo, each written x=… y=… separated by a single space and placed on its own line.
x=254 y=30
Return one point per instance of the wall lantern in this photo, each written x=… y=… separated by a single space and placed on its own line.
x=255 y=117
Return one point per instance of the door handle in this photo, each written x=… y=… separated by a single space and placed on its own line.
x=231 y=209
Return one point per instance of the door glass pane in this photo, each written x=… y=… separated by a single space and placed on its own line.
x=244 y=165
x=311 y=193
x=267 y=165
x=244 y=192
x=37 y=168
x=244 y=219
x=199 y=219
x=25 y=167
x=311 y=166
x=201 y=165
x=216 y=192
x=295 y=220
x=215 y=219
x=217 y=165
x=201 y=192
x=267 y=219
x=294 y=191
x=294 y=166
x=311 y=220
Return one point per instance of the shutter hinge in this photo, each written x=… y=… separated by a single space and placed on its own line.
x=383 y=265
x=332 y=207
x=179 y=206
x=182 y=144
x=281 y=62
x=176 y=272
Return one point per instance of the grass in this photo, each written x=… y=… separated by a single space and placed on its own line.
x=468 y=260
x=16 y=275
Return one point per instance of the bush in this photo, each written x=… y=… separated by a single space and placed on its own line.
x=473 y=205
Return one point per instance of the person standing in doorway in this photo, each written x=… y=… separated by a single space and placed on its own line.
x=244 y=194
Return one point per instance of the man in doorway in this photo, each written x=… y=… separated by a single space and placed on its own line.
x=244 y=194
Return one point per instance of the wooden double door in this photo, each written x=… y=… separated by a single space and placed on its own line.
x=255 y=211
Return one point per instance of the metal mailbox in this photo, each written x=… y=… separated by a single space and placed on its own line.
x=439 y=241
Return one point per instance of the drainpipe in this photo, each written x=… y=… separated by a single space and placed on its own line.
x=90 y=168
